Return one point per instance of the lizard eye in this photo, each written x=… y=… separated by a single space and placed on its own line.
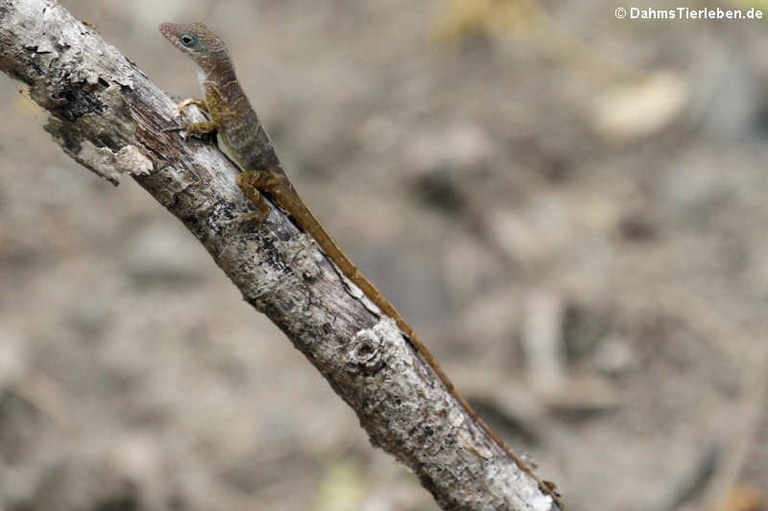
x=187 y=40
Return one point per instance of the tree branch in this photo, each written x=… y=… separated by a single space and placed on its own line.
x=108 y=116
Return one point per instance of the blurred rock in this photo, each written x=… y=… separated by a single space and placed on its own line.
x=639 y=110
x=613 y=355
x=462 y=146
x=536 y=235
x=135 y=458
x=138 y=462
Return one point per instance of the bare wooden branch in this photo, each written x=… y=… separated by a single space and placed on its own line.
x=107 y=115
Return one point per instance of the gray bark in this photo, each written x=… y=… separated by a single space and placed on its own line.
x=108 y=116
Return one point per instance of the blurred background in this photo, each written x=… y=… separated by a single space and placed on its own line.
x=570 y=208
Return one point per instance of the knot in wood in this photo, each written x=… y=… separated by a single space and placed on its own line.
x=364 y=352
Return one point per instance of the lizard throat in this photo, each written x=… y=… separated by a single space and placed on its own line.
x=202 y=77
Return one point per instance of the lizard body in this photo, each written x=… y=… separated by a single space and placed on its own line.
x=245 y=141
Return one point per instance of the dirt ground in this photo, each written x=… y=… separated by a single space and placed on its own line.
x=569 y=207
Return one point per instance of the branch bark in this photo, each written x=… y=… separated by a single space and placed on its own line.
x=108 y=116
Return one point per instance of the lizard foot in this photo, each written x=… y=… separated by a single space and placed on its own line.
x=254 y=217
x=246 y=182
x=199 y=127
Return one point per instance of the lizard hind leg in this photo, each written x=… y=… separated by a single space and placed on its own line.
x=249 y=182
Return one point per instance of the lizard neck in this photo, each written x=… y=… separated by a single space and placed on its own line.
x=220 y=70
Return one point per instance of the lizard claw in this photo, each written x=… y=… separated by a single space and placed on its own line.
x=172 y=128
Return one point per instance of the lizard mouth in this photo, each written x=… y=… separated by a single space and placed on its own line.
x=169 y=30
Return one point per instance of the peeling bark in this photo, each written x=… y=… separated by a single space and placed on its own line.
x=108 y=116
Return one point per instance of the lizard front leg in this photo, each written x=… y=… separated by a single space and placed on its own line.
x=199 y=127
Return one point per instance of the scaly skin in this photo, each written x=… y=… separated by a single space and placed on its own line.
x=244 y=140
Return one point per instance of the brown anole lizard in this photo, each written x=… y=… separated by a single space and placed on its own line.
x=244 y=140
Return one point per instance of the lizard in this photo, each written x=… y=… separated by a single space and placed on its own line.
x=244 y=140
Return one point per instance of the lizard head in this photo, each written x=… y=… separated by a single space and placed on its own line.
x=197 y=41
